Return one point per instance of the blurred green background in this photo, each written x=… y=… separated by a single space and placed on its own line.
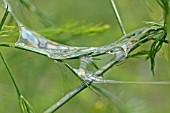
x=43 y=82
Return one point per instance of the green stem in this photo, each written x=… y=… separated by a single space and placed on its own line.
x=12 y=78
x=24 y=105
x=118 y=17
x=4 y=18
x=66 y=98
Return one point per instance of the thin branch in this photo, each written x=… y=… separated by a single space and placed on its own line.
x=102 y=70
x=12 y=78
x=81 y=87
x=23 y=103
x=133 y=82
x=118 y=17
x=66 y=98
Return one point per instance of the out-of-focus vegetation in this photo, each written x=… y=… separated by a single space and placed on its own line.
x=43 y=82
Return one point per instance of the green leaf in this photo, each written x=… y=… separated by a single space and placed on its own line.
x=139 y=54
x=155 y=47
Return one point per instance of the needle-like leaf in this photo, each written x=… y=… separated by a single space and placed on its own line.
x=24 y=105
x=4 y=18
